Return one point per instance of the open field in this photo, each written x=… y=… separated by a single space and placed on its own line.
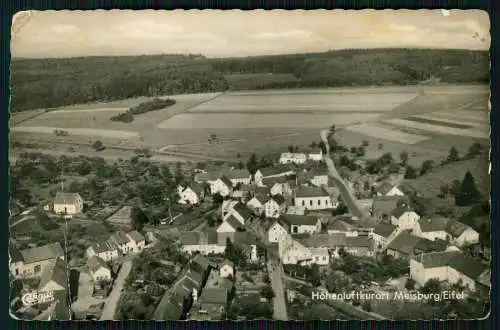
x=257 y=80
x=377 y=131
x=479 y=132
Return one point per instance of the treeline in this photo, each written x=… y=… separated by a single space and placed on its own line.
x=354 y=67
x=154 y=104
x=47 y=83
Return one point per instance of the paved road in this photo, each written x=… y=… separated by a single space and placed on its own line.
x=279 y=303
x=84 y=299
x=108 y=312
x=347 y=196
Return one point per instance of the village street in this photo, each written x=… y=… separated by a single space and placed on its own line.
x=109 y=309
x=279 y=304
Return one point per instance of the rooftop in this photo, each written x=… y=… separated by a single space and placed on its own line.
x=399 y=211
x=66 y=198
x=454 y=259
x=41 y=253
x=198 y=238
x=123 y=216
x=136 y=236
x=104 y=246
x=384 y=187
x=299 y=220
x=120 y=237
x=214 y=296
x=274 y=170
x=233 y=222
x=322 y=240
x=304 y=191
x=237 y=174
x=95 y=263
x=386 y=204
x=404 y=243
x=384 y=229
x=56 y=271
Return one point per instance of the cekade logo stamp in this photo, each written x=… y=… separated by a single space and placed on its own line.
x=34 y=298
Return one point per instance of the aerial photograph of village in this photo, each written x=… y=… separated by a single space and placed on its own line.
x=243 y=165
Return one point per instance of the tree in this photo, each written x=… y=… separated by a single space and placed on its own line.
x=252 y=163
x=139 y=218
x=290 y=148
x=452 y=155
x=235 y=253
x=367 y=306
x=218 y=199
x=444 y=190
x=468 y=193
x=403 y=157
x=410 y=284
x=474 y=149
x=179 y=176
x=332 y=130
x=267 y=292
x=238 y=155
x=98 y=146
x=426 y=167
x=344 y=160
x=431 y=286
x=380 y=146
x=313 y=145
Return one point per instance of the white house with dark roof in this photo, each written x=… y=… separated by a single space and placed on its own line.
x=238 y=176
x=31 y=262
x=98 y=269
x=388 y=189
x=227 y=206
x=202 y=242
x=404 y=218
x=230 y=224
x=275 y=206
x=192 y=194
x=449 y=266
x=313 y=198
x=382 y=234
x=256 y=203
x=222 y=186
x=106 y=250
x=226 y=269
x=54 y=277
x=278 y=186
x=446 y=229
x=271 y=172
x=137 y=241
x=316 y=155
x=383 y=206
x=338 y=226
x=277 y=231
x=301 y=224
x=292 y=158
x=123 y=242
x=68 y=203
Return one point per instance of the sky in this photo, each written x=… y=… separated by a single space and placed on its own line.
x=235 y=33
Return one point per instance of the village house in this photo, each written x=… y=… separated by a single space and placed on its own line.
x=124 y=243
x=107 y=250
x=301 y=224
x=227 y=206
x=245 y=240
x=338 y=226
x=383 y=206
x=31 y=262
x=277 y=231
x=211 y=304
x=446 y=229
x=450 y=266
x=256 y=204
x=54 y=277
x=331 y=243
x=137 y=241
x=404 y=218
x=275 y=206
x=271 y=172
x=203 y=242
x=226 y=269
x=405 y=245
x=192 y=194
x=382 y=234
x=278 y=186
x=240 y=176
x=230 y=224
x=292 y=252
x=295 y=210
x=222 y=186
x=98 y=269
x=388 y=189
x=292 y=158
x=242 y=213
x=68 y=203
x=206 y=177
x=316 y=155
x=313 y=198
x=121 y=218
x=361 y=246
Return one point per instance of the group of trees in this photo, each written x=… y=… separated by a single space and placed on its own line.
x=154 y=104
x=47 y=83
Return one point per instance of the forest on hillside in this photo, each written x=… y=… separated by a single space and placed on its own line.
x=48 y=83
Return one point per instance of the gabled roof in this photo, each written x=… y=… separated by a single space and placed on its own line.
x=214 y=296
x=233 y=222
x=274 y=170
x=242 y=210
x=404 y=243
x=278 y=199
x=15 y=255
x=299 y=220
x=40 y=253
x=323 y=240
x=136 y=236
x=66 y=198
x=56 y=271
x=436 y=223
x=237 y=174
x=337 y=224
x=454 y=259
x=270 y=182
x=303 y=191
x=384 y=229
x=261 y=198
x=386 y=204
x=204 y=177
x=105 y=246
x=120 y=237
x=202 y=261
x=399 y=211
x=239 y=237
x=358 y=241
x=226 y=181
x=226 y=262
x=456 y=228
x=407 y=188
x=384 y=187
x=198 y=238
x=95 y=263
x=196 y=188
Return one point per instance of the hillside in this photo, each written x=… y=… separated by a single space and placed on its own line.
x=47 y=83
x=429 y=184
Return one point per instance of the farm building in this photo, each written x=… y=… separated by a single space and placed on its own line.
x=31 y=262
x=313 y=198
x=292 y=158
x=68 y=203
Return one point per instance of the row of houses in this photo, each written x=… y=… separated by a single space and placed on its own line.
x=315 y=155
x=120 y=243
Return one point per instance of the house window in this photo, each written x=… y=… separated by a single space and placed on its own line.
x=310 y=203
x=319 y=202
x=303 y=203
x=38 y=268
x=17 y=271
x=324 y=258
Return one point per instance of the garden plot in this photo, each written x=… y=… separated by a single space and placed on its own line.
x=478 y=132
x=381 y=132
x=77 y=131
x=460 y=116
